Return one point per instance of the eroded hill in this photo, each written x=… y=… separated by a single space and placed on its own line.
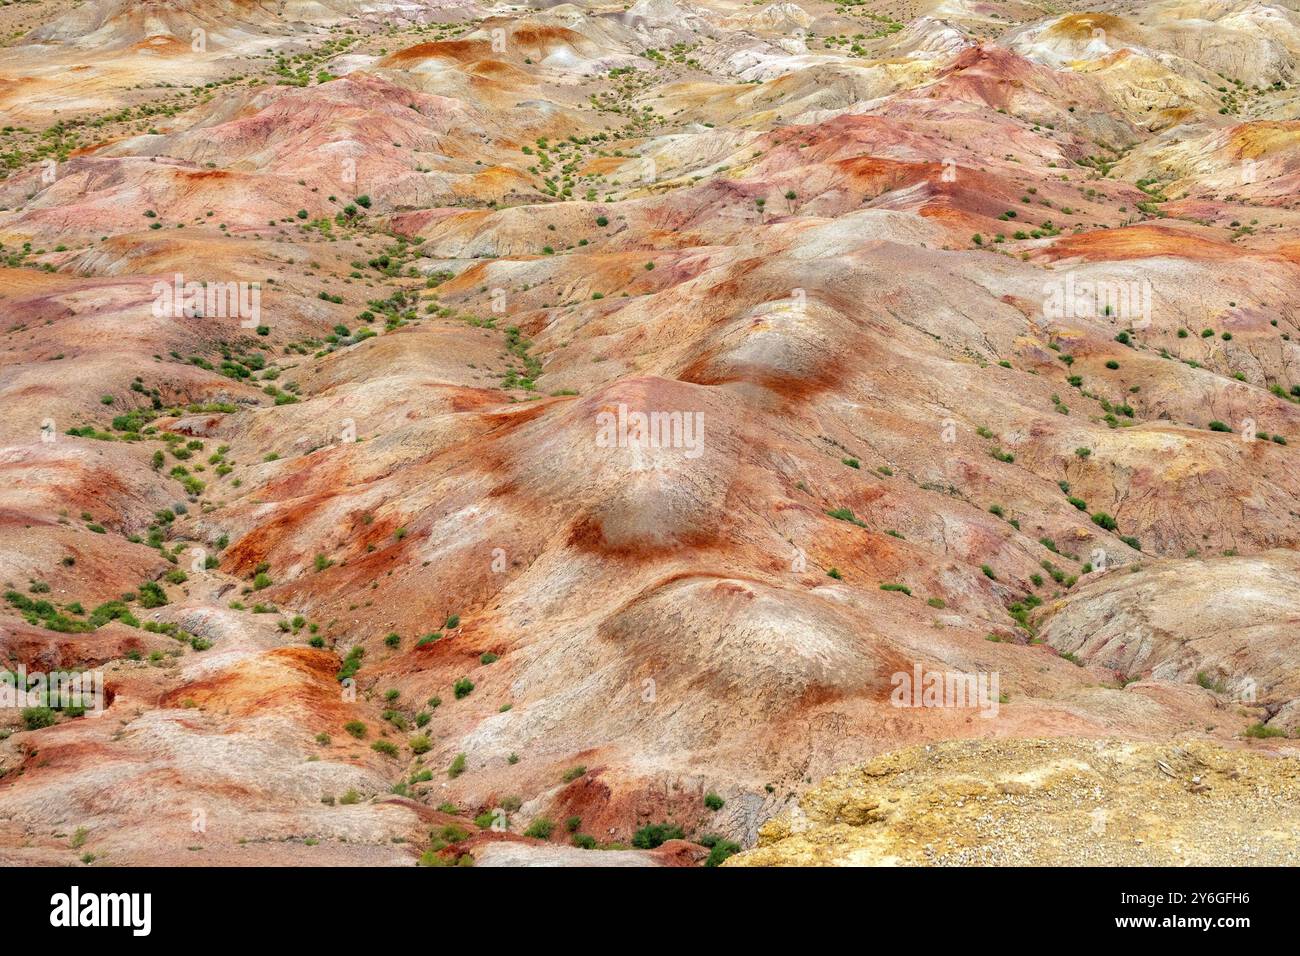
x=969 y=330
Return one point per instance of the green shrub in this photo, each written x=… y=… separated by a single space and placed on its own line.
x=356 y=728
x=351 y=663
x=34 y=718
x=1209 y=683
x=1262 y=731
x=540 y=828
x=451 y=833
x=713 y=801
x=573 y=773
x=655 y=834
x=457 y=766
x=463 y=687
x=1103 y=520
x=719 y=849
x=844 y=514
x=151 y=595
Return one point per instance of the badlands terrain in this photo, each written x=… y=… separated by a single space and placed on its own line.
x=973 y=328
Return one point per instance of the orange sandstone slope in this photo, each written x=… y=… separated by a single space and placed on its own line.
x=964 y=346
